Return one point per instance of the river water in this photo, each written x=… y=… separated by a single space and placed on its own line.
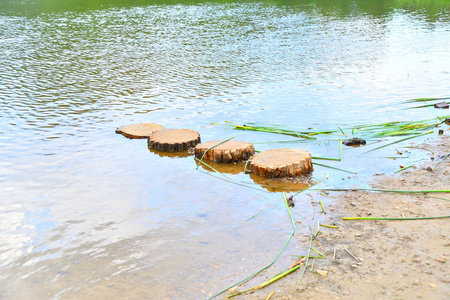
x=86 y=213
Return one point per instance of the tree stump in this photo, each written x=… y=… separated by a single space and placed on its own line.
x=230 y=151
x=278 y=163
x=139 y=131
x=173 y=140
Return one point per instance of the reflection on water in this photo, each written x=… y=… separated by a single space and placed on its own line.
x=280 y=185
x=234 y=168
x=87 y=213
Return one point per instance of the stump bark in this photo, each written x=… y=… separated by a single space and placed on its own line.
x=230 y=151
x=139 y=131
x=278 y=163
x=173 y=140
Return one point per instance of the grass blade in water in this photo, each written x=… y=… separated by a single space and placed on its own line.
x=272 y=280
x=309 y=247
x=425 y=99
x=381 y=190
x=274 y=260
x=399 y=219
x=398 y=141
x=328 y=158
x=404 y=168
x=334 y=168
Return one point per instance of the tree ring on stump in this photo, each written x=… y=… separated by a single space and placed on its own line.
x=173 y=140
x=230 y=151
x=278 y=163
x=139 y=131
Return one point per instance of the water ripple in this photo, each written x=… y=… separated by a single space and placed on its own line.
x=75 y=198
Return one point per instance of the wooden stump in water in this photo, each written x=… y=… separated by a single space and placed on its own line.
x=139 y=131
x=230 y=151
x=281 y=163
x=173 y=140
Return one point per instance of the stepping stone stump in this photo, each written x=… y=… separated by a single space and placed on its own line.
x=279 y=163
x=139 y=131
x=230 y=151
x=173 y=140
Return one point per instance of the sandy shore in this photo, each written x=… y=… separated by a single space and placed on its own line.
x=385 y=259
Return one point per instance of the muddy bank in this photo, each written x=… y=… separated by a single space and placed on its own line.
x=382 y=259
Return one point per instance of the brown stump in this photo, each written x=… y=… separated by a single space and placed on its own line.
x=281 y=163
x=139 y=131
x=230 y=151
x=173 y=140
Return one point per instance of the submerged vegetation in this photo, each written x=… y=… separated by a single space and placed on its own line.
x=368 y=131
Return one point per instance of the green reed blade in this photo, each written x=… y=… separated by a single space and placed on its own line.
x=404 y=168
x=443 y=158
x=329 y=226
x=325 y=158
x=317 y=251
x=400 y=219
x=275 y=278
x=342 y=131
x=398 y=141
x=424 y=99
x=323 y=208
x=422 y=106
x=315 y=257
x=309 y=187
x=380 y=129
x=264 y=211
x=381 y=190
x=328 y=158
x=275 y=130
x=330 y=167
x=309 y=248
x=445 y=199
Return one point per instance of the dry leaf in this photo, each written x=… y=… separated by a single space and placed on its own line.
x=298 y=262
x=323 y=273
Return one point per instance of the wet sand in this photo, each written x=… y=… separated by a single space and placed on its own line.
x=385 y=259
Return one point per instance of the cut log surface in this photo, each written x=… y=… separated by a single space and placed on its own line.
x=173 y=140
x=230 y=151
x=278 y=163
x=139 y=131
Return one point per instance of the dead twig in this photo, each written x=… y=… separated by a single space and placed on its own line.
x=354 y=257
